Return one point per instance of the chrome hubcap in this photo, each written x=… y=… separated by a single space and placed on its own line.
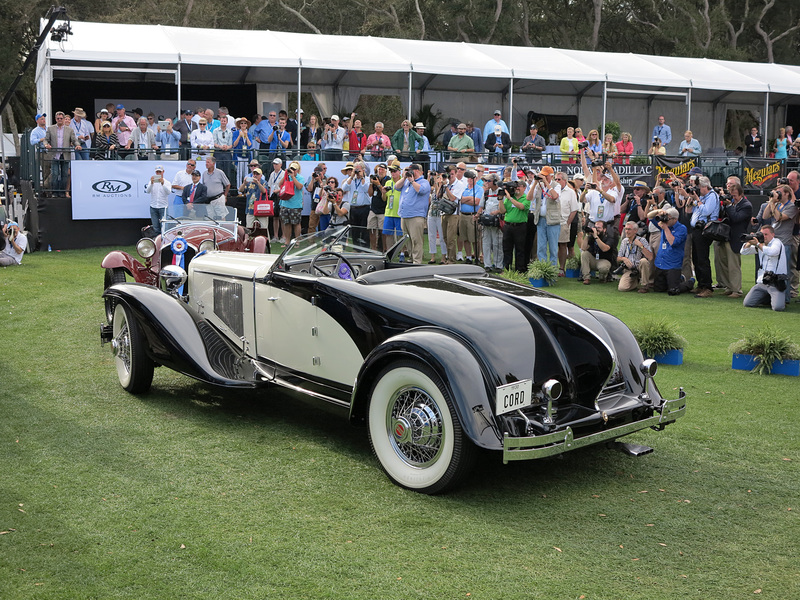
x=121 y=346
x=415 y=427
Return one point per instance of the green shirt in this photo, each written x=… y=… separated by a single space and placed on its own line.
x=517 y=215
x=464 y=143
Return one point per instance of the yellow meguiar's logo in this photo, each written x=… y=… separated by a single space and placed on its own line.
x=678 y=170
x=758 y=177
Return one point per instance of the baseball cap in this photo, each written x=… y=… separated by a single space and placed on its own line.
x=497 y=112
x=159 y=168
x=40 y=115
x=120 y=106
x=578 y=176
x=277 y=161
x=547 y=170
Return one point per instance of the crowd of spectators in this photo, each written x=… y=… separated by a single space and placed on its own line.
x=498 y=214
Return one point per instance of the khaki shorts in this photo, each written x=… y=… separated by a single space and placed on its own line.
x=563 y=236
x=375 y=221
x=466 y=228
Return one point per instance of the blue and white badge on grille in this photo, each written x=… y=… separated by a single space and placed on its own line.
x=513 y=396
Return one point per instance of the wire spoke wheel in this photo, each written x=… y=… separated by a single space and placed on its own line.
x=414 y=429
x=134 y=366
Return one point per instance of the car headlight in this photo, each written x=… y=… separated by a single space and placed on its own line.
x=146 y=248
x=206 y=246
x=172 y=278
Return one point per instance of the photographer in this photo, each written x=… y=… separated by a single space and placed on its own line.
x=333 y=138
x=415 y=197
x=545 y=197
x=781 y=212
x=491 y=211
x=599 y=251
x=14 y=245
x=656 y=148
x=727 y=260
x=635 y=259
x=337 y=208
x=254 y=187
x=468 y=209
x=159 y=191
x=356 y=186
x=456 y=185
x=669 y=259
x=533 y=145
x=602 y=192
x=291 y=209
x=314 y=186
x=517 y=206
x=703 y=205
x=770 y=284
x=377 y=205
x=681 y=198
x=392 y=225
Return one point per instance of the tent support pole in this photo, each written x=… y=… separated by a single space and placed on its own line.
x=298 y=114
x=410 y=74
x=689 y=110
x=511 y=104
x=605 y=100
x=764 y=135
x=178 y=83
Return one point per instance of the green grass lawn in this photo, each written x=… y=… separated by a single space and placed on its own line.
x=196 y=492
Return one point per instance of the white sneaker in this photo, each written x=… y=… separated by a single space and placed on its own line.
x=460 y=256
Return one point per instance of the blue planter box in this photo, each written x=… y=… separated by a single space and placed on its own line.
x=748 y=362
x=573 y=273
x=672 y=357
x=538 y=282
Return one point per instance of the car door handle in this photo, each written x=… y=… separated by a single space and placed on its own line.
x=272 y=298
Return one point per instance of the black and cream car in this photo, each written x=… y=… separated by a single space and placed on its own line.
x=435 y=361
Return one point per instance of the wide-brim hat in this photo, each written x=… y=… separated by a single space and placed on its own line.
x=347 y=167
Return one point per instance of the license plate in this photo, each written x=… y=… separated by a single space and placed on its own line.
x=513 y=396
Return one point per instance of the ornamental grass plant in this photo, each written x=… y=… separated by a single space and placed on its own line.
x=543 y=269
x=657 y=336
x=767 y=344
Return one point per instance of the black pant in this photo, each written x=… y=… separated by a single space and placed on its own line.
x=358 y=219
x=514 y=246
x=530 y=236
x=701 y=247
x=669 y=280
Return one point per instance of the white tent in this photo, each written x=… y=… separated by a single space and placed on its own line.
x=464 y=80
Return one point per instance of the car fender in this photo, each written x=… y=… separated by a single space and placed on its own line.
x=452 y=359
x=118 y=259
x=174 y=338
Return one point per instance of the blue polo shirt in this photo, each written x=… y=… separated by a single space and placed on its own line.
x=413 y=203
x=671 y=256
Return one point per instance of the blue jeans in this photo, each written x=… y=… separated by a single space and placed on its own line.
x=82 y=154
x=60 y=175
x=547 y=238
x=156 y=214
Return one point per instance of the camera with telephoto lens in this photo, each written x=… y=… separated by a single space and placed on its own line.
x=757 y=235
x=588 y=229
x=692 y=189
x=725 y=198
x=583 y=144
x=274 y=128
x=770 y=278
x=777 y=194
x=663 y=217
x=783 y=181
x=329 y=188
x=598 y=162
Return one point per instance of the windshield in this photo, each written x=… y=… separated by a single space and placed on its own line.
x=178 y=215
x=344 y=240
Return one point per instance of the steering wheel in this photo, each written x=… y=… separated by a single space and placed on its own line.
x=342 y=270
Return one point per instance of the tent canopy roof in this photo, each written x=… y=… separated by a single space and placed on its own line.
x=247 y=56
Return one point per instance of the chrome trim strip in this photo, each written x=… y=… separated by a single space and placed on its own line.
x=297 y=388
x=540 y=446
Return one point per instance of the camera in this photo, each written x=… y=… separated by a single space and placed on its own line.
x=663 y=217
x=630 y=197
x=591 y=185
x=582 y=145
x=674 y=183
x=588 y=229
x=692 y=189
x=783 y=181
x=770 y=278
x=507 y=188
x=747 y=237
x=725 y=198
x=777 y=194
x=329 y=188
x=598 y=162
x=274 y=128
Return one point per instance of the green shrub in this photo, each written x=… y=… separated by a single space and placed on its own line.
x=613 y=128
x=767 y=345
x=515 y=276
x=543 y=269
x=657 y=336
x=574 y=262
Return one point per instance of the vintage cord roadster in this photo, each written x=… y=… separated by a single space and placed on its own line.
x=435 y=361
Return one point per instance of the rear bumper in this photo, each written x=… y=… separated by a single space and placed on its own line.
x=540 y=446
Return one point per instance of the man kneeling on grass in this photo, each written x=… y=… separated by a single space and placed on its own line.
x=12 y=245
x=634 y=260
